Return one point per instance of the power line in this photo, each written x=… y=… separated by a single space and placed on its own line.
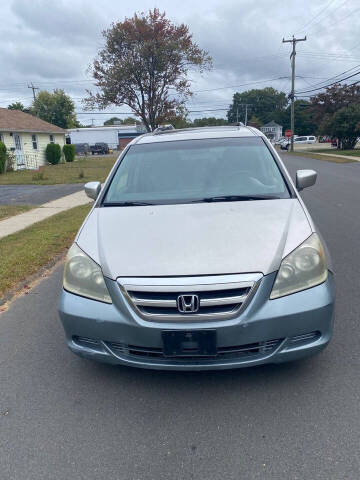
x=316 y=16
x=338 y=21
x=330 y=84
x=237 y=86
x=333 y=77
x=327 y=15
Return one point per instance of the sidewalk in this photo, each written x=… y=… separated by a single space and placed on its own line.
x=335 y=155
x=19 y=222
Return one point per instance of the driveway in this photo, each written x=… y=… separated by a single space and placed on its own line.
x=63 y=417
x=35 y=194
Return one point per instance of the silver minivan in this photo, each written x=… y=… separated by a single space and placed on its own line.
x=198 y=253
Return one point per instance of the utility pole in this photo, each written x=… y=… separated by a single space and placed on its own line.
x=246 y=105
x=246 y=112
x=293 y=40
x=33 y=89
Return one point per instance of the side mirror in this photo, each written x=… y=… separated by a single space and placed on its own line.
x=305 y=178
x=92 y=189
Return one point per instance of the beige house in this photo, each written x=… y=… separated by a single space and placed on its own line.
x=27 y=136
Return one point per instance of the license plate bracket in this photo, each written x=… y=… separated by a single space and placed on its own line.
x=189 y=343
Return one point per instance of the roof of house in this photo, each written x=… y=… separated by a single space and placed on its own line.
x=272 y=124
x=18 y=121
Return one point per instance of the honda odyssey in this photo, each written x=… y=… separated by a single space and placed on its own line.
x=198 y=253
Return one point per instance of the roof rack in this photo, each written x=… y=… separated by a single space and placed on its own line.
x=237 y=124
x=163 y=129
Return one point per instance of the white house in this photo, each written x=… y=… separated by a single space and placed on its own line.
x=272 y=130
x=27 y=137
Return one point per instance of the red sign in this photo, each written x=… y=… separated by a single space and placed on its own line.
x=288 y=133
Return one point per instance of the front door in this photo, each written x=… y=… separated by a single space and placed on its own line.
x=19 y=154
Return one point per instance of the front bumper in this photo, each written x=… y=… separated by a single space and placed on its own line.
x=267 y=331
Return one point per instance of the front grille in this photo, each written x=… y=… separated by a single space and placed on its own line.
x=251 y=350
x=217 y=297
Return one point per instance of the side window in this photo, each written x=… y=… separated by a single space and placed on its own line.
x=34 y=142
x=1 y=138
x=52 y=139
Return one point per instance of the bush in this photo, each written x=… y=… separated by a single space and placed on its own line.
x=2 y=157
x=10 y=162
x=69 y=152
x=53 y=153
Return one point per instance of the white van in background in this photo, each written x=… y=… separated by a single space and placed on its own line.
x=305 y=139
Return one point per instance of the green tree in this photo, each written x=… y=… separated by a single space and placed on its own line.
x=344 y=125
x=122 y=121
x=333 y=99
x=263 y=103
x=56 y=108
x=144 y=65
x=254 y=122
x=130 y=121
x=112 y=120
x=209 y=122
x=181 y=121
x=18 y=106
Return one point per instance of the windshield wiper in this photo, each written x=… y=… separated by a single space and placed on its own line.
x=126 y=204
x=235 y=198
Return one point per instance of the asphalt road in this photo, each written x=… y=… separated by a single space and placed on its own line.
x=62 y=417
x=35 y=194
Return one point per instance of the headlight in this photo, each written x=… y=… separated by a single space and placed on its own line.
x=303 y=268
x=84 y=277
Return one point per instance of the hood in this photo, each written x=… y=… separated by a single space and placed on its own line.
x=194 y=239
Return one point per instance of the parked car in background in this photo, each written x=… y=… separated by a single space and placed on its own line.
x=284 y=144
x=100 y=148
x=305 y=139
x=309 y=139
x=199 y=253
x=82 y=148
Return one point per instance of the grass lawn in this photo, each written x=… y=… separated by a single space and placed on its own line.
x=7 y=211
x=24 y=252
x=82 y=170
x=351 y=153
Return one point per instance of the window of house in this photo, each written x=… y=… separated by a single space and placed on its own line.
x=52 y=139
x=34 y=142
x=1 y=137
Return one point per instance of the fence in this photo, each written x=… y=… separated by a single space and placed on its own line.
x=22 y=161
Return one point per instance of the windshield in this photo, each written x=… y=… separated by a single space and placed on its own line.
x=226 y=169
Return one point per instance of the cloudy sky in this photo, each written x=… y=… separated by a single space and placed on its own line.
x=51 y=43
